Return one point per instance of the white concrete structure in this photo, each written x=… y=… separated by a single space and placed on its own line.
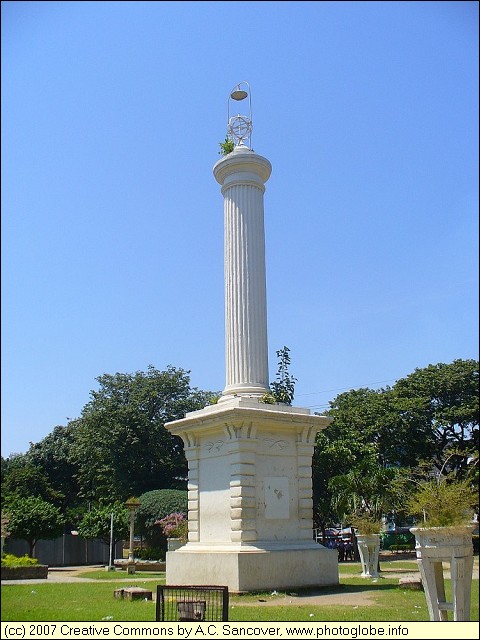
x=369 y=549
x=439 y=546
x=242 y=175
x=250 y=463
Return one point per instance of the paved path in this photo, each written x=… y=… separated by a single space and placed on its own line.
x=74 y=574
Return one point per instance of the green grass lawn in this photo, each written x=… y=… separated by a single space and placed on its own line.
x=392 y=603
x=94 y=601
x=385 y=565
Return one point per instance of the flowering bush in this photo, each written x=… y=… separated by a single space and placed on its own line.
x=174 y=525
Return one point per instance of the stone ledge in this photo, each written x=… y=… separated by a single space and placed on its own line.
x=141 y=566
x=32 y=572
x=413 y=584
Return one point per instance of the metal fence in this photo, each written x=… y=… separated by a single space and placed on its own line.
x=67 y=550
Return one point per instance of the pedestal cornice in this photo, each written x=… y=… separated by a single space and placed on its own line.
x=262 y=415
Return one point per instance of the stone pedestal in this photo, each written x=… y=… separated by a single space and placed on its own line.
x=451 y=545
x=369 y=548
x=250 y=499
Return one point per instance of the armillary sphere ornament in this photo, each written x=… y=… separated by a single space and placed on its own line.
x=239 y=127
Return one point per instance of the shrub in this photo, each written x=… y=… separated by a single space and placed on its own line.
x=365 y=523
x=443 y=503
x=155 y=505
x=402 y=547
x=9 y=560
x=283 y=389
x=389 y=539
x=268 y=398
x=150 y=553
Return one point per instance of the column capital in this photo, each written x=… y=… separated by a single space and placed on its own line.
x=242 y=166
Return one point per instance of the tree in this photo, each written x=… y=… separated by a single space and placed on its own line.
x=11 y=461
x=332 y=456
x=33 y=519
x=360 y=417
x=365 y=418
x=97 y=522
x=423 y=417
x=443 y=398
x=46 y=471
x=121 y=445
x=54 y=455
x=368 y=489
x=24 y=479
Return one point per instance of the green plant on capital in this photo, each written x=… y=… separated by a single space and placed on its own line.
x=226 y=147
x=283 y=389
x=268 y=398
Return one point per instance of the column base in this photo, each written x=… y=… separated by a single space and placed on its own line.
x=243 y=390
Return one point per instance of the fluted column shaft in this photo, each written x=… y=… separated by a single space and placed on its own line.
x=242 y=175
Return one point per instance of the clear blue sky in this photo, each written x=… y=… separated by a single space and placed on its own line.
x=112 y=222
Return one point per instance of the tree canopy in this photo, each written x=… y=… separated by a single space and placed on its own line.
x=442 y=400
x=25 y=479
x=121 y=446
x=118 y=446
x=421 y=419
x=54 y=455
x=33 y=519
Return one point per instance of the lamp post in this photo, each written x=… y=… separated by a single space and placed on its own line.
x=132 y=505
x=111 y=566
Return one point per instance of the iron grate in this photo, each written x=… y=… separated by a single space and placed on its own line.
x=191 y=604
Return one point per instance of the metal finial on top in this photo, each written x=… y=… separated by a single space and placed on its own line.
x=239 y=128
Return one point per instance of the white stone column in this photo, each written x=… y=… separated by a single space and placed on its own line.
x=242 y=175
